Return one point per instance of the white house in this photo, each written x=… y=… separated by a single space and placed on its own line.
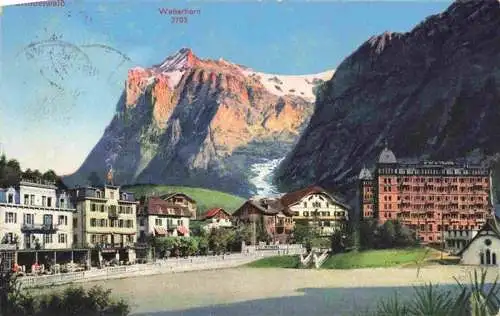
x=35 y=215
x=216 y=218
x=157 y=217
x=315 y=206
x=484 y=248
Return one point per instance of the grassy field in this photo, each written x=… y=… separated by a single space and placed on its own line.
x=288 y=262
x=380 y=258
x=206 y=199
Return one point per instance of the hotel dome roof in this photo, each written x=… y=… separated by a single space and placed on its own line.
x=387 y=156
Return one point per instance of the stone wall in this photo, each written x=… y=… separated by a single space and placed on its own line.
x=159 y=267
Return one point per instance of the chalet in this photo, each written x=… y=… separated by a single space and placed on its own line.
x=216 y=218
x=182 y=200
x=276 y=220
x=315 y=206
x=159 y=217
x=484 y=247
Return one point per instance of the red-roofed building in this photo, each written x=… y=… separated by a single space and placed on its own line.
x=216 y=218
x=158 y=217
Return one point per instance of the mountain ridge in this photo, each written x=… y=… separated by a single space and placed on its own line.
x=203 y=122
x=432 y=92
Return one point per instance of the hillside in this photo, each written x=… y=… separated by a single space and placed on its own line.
x=201 y=122
x=205 y=199
x=433 y=93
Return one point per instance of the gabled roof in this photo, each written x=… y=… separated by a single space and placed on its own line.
x=212 y=212
x=266 y=206
x=490 y=225
x=293 y=197
x=157 y=206
x=171 y=195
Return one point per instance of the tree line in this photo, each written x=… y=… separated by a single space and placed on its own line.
x=367 y=234
x=11 y=174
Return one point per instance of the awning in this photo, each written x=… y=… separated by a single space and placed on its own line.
x=161 y=231
x=183 y=230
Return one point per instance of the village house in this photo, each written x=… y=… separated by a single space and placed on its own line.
x=432 y=198
x=105 y=221
x=36 y=215
x=269 y=212
x=182 y=200
x=317 y=208
x=484 y=248
x=216 y=218
x=160 y=218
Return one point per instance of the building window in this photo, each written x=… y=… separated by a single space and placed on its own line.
x=10 y=217
x=98 y=194
x=32 y=199
x=75 y=238
x=141 y=222
x=29 y=219
x=26 y=199
x=305 y=204
x=48 y=238
x=62 y=220
x=102 y=208
x=62 y=238
x=92 y=222
x=120 y=223
x=103 y=222
x=49 y=201
x=61 y=203
x=44 y=201
x=92 y=207
x=93 y=239
x=75 y=222
x=158 y=221
x=129 y=223
x=47 y=220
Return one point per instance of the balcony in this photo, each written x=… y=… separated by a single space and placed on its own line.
x=39 y=228
x=113 y=214
x=172 y=225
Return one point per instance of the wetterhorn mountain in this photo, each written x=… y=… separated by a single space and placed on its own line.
x=433 y=93
x=190 y=121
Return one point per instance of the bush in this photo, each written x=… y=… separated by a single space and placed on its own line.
x=74 y=301
x=472 y=299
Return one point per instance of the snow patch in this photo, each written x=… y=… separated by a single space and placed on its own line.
x=301 y=85
x=174 y=77
x=177 y=61
x=262 y=177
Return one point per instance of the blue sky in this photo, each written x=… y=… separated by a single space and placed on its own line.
x=58 y=96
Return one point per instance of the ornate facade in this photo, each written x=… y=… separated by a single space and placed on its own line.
x=429 y=197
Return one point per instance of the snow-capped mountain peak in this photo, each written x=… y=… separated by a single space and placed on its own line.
x=181 y=60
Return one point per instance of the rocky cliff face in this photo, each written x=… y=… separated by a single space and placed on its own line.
x=189 y=121
x=433 y=93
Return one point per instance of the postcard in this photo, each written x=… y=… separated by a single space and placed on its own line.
x=266 y=157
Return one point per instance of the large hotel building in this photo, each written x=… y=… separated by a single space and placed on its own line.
x=428 y=197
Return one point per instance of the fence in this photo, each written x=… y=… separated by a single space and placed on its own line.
x=291 y=249
x=158 y=267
